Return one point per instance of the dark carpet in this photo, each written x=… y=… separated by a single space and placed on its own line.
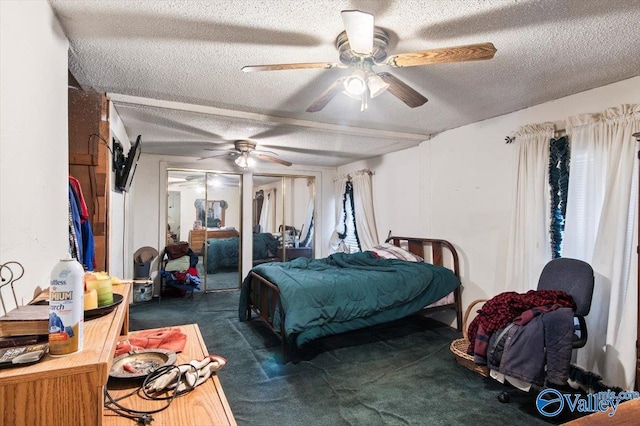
x=223 y=279
x=400 y=373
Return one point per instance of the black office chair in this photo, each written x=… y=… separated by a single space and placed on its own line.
x=574 y=277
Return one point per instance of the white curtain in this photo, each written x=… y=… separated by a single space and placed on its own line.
x=339 y=188
x=363 y=209
x=529 y=246
x=600 y=229
x=268 y=212
x=308 y=233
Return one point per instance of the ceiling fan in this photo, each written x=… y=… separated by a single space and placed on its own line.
x=246 y=154
x=362 y=46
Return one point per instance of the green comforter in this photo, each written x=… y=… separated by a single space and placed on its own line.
x=225 y=252
x=349 y=291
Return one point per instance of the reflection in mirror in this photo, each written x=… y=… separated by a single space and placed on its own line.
x=210 y=213
x=203 y=209
x=283 y=211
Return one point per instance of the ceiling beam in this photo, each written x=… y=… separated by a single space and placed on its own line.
x=202 y=109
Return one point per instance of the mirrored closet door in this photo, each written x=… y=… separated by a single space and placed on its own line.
x=283 y=217
x=204 y=209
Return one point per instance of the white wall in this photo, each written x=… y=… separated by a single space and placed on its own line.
x=33 y=143
x=298 y=196
x=120 y=250
x=147 y=223
x=458 y=186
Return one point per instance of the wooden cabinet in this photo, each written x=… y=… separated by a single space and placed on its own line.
x=197 y=237
x=66 y=390
x=90 y=163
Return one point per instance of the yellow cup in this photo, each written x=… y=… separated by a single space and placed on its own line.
x=90 y=299
x=102 y=285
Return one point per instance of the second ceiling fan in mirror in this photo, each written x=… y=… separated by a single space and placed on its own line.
x=245 y=154
x=362 y=46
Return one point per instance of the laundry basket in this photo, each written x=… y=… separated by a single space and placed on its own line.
x=459 y=346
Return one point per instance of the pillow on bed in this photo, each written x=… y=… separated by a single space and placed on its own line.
x=390 y=251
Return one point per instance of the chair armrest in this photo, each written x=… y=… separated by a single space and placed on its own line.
x=582 y=340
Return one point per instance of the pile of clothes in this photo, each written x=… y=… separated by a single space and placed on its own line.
x=179 y=269
x=526 y=336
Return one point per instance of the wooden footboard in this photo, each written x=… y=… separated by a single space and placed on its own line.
x=264 y=299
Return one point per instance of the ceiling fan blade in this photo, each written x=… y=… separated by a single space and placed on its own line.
x=298 y=66
x=272 y=159
x=471 y=52
x=262 y=151
x=216 y=155
x=359 y=27
x=328 y=94
x=402 y=91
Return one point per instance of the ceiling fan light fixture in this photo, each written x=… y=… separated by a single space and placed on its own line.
x=242 y=161
x=376 y=85
x=356 y=83
x=245 y=161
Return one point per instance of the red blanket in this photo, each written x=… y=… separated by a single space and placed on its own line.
x=499 y=311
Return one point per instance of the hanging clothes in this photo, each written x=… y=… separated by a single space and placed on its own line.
x=77 y=191
x=80 y=231
x=75 y=233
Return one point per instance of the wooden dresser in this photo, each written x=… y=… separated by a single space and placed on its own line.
x=66 y=390
x=198 y=237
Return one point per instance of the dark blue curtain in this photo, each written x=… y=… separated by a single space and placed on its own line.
x=559 y=157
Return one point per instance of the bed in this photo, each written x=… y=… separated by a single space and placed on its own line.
x=224 y=253
x=306 y=299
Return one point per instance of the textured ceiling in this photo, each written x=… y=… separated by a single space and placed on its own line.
x=173 y=68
